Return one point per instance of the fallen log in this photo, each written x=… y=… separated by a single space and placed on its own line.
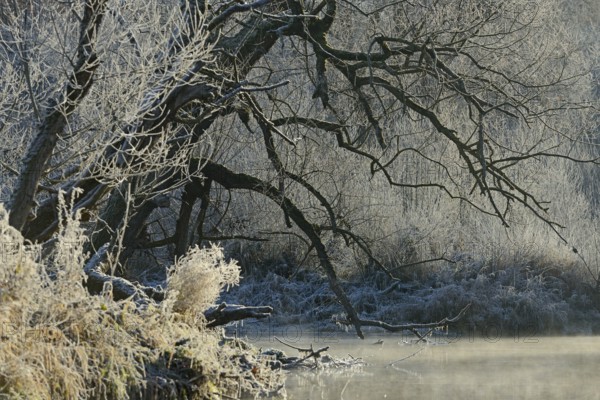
x=98 y=282
x=225 y=313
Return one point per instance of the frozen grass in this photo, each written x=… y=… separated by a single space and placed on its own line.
x=59 y=342
x=523 y=299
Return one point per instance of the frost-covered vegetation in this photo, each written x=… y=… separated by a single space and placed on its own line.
x=523 y=277
x=509 y=301
x=370 y=159
x=58 y=341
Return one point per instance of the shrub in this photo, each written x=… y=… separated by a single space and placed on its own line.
x=59 y=341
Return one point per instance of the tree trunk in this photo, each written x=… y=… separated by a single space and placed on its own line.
x=52 y=126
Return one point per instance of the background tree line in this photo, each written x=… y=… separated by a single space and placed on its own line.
x=359 y=135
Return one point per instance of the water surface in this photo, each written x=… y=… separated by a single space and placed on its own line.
x=467 y=368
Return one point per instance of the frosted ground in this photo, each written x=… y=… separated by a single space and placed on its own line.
x=511 y=301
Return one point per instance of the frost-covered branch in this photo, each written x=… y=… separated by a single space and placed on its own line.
x=226 y=313
x=412 y=327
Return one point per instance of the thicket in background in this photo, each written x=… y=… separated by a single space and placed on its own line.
x=362 y=135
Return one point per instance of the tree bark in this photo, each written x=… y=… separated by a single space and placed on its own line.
x=182 y=228
x=54 y=123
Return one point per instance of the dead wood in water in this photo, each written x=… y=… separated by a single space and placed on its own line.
x=310 y=353
x=412 y=327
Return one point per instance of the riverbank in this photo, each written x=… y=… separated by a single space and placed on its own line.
x=519 y=301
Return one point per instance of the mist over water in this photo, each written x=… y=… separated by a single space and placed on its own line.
x=467 y=368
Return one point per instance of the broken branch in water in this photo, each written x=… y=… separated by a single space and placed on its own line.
x=311 y=352
x=407 y=357
x=411 y=327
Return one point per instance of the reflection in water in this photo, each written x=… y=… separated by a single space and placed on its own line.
x=551 y=368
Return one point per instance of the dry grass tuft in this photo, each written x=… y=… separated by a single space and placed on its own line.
x=200 y=268
x=58 y=341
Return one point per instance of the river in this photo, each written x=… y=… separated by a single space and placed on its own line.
x=462 y=368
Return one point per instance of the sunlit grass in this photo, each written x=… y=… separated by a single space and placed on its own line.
x=58 y=341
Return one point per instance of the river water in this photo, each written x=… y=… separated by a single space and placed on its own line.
x=460 y=368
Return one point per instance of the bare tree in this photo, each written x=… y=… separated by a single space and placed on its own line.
x=155 y=102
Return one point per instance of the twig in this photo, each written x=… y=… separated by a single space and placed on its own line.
x=344 y=389
x=407 y=357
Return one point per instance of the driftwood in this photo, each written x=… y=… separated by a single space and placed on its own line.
x=310 y=353
x=98 y=282
x=411 y=327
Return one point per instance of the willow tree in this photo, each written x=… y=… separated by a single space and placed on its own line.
x=133 y=107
